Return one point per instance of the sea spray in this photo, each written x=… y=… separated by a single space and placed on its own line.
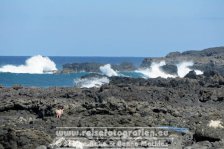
x=108 y=71
x=199 y=72
x=183 y=69
x=35 y=65
x=155 y=71
x=91 y=82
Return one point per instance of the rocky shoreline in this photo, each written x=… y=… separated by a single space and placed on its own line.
x=28 y=119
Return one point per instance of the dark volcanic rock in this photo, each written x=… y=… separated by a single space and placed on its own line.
x=79 y=67
x=125 y=66
x=210 y=73
x=191 y=75
x=173 y=54
x=170 y=69
x=27 y=115
x=94 y=67
x=92 y=75
x=216 y=51
x=147 y=62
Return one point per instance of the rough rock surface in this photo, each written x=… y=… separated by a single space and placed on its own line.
x=28 y=121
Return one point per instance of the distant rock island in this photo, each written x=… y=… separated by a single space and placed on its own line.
x=94 y=67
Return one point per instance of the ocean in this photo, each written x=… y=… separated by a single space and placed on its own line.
x=36 y=71
x=22 y=70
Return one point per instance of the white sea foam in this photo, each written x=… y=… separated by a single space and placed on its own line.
x=199 y=72
x=91 y=82
x=155 y=71
x=35 y=65
x=184 y=68
x=108 y=71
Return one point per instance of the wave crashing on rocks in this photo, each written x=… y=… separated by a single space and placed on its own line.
x=34 y=65
x=91 y=82
x=155 y=70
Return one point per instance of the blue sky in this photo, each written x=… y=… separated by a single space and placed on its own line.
x=109 y=27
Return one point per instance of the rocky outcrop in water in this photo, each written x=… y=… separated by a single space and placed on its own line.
x=94 y=67
x=205 y=60
x=28 y=119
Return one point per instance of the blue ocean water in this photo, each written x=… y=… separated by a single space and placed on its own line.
x=51 y=80
x=60 y=60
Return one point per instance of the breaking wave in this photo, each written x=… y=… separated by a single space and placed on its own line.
x=184 y=68
x=34 y=65
x=199 y=72
x=108 y=71
x=91 y=82
x=155 y=71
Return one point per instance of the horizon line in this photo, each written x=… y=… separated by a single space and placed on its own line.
x=74 y=56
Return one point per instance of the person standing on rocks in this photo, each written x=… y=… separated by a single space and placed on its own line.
x=59 y=111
